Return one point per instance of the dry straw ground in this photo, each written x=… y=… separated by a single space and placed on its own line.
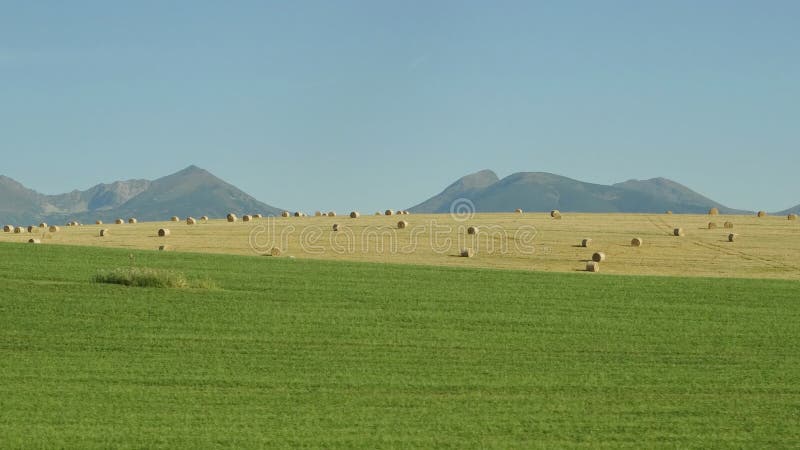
x=767 y=247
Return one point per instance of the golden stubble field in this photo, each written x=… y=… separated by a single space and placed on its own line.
x=767 y=247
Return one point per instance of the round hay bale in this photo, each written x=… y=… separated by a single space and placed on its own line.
x=389 y=212
x=298 y=214
x=762 y=214
x=472 y=230
x=586 y=242
x=232 y=218
x=204 y=218
x=163 y=232
x=732 y=237
x=31 y=228
x=518 y=210
x=555 y=213
x=406 y=213
x=355 y=215
x=285 y=214
x=119 y=221
x=668 y=212
x=324 y=214
x=98 y=222
x=728 y=225
x=175 y=219
x=8 y=229
x=317 y=213
x=331 y=213
x=636 y=242
x=18 y=230
x=592 y=266
x=34 y=241
x=712 y=225
x=132 y=220
x=402 y=224
x=792 y=217
x=275 y=251
x=54 y=229
x=599 y=257
x=42 y=225
x=257 y=216
x=163 y=247
x=191 y=221
x=336 y=227
x=713 y=212
x=678 y=232
x=467 y=253
x=247 y=218
x=104 y=232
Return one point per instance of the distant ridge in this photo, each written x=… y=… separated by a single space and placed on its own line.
x=190 y=192
x=541 y=191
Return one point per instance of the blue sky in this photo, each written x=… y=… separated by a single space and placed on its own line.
x=377 y=104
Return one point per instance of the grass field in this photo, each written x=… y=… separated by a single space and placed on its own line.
x=765 y=247
x=309 y=353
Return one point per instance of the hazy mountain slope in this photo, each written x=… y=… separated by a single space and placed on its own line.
x=539 y=191
x=464 y=187
x=786 y=212
x=18 y=204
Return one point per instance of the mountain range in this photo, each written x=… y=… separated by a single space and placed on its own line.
x=189 y=192
x=195 y=192
x=540 y=191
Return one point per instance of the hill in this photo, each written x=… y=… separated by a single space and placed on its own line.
x=191 y=191
x=792 y=210
x=540 y=191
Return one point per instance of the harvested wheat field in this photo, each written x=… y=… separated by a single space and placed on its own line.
x=768 y=249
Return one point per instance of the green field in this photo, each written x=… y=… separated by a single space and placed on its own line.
x=333 y=354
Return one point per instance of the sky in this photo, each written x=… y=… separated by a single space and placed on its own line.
x=317 y=105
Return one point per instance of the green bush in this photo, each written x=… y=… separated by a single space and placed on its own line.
x=145 y=277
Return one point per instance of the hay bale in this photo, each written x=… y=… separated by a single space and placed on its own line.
x=204 y=218
x=104 y=232
x=34 y=241
x=402 y=224
x=317 y=213
x=119 y=221
x=232 y=218
x=191 y=221
x=732 y=237
x=762 y=214
x=599 y=257
x=331 y=213
x=54 y=229
x=336 y=227
x=98 y=222
x=18 y=230
x=636 y=242
x=31 y=228
x=728 y=225
x=257 y=216
x=132 y=220
x=275 y=251
x=324 y=214
x=247 y=218
x=163 y=232
x=389 y=212
x=298 y=214
x=668 y=212
x=555 y=214
x=467 y=253
x=162 y=248
x=355 y=215
x=592 y=266
x=42 y=225
x=8 y=229
x=792 y=217
x=472 y=230
x=678 y=232
x=713 y=212
x=586 y=242
x=518 y=210
x=175 y=219
x=712 y=225
x=285 y=214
